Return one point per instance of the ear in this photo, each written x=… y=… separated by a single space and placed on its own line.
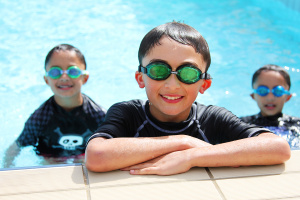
x=46 y=80
x=288 y=98
x=139 y=79
x=85 y=78
x=206 y=84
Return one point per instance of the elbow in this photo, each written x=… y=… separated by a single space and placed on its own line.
x=95 y=158
x=284 y=150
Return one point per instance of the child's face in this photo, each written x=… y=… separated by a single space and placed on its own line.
x=65 y=87
x=170 y=99
x=270 y=105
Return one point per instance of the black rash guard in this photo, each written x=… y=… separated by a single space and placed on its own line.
x=283 y=125
x=56 y=132
x=209 y=123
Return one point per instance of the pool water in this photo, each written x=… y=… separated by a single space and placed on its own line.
x=242 y=35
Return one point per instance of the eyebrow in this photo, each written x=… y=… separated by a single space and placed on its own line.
x=163 y=61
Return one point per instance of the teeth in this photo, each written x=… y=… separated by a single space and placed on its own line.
x=64 y=86
x=171 y=98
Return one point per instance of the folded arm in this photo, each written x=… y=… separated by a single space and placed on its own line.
x=111 y=154
x=265 y=149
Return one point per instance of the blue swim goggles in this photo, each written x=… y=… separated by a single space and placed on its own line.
x=277 y=91
x=72 y=72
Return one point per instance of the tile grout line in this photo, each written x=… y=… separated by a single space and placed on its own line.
x=215 y=183
x=86 y=181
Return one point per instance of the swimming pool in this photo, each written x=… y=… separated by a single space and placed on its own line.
x=242 y=35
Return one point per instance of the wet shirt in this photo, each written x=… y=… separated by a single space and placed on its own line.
x=56 y=132
x=212 y=124
x=283 y=125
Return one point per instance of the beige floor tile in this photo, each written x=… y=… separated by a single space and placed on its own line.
x=230 y=172
x=284 y=186
x=41 y=179
x=119 y=178
x=292 y=165
x=185 y=190
x=59 y=195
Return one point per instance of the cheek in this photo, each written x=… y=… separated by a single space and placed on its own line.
x=192 y=91
x=281 y=101
x=50 y=82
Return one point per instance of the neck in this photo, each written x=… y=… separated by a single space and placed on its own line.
x=69 y=103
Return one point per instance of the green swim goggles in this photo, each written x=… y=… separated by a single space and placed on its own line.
x=72 y=72
x=186 y=73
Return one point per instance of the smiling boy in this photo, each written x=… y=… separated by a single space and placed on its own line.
x=271 y=85
x=170 y=132
x=60 y=127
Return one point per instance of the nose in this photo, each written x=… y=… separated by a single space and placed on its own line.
x=172 y=82
x=64 y=76
x=270 y=96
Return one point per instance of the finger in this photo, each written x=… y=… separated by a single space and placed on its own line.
x=136 y=167
x=133 y=167
x=144 y=171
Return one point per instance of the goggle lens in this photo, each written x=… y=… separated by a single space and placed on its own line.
x=158 y=71
x=54 y=73
x=72 y=72
x=262 y=91
x=277 y=91
x=188 y=74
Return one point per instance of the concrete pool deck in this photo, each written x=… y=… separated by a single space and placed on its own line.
x=76 y=182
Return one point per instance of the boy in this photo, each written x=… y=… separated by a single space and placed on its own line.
x=61 y=126
x=170 y=133
x=271 y=84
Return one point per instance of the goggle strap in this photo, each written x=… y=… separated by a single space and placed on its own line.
x=84 y=72
x=142 y=69
x=205 y=76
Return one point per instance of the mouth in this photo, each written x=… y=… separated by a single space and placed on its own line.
x=64 y=87
x=172 y=99
x=270 y=106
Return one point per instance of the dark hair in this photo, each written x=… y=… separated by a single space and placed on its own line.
x=179 y=32
x=275 y=68
x=65 y=47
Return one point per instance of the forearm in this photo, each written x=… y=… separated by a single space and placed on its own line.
x=111 y=154
x=266 y=149
x=10 y=154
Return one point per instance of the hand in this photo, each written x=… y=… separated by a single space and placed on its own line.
x=173 y=163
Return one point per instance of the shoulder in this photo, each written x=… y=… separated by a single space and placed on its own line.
x=249 y=119
x=41 y=116
x=89 y=104
x=126 y=110
x=211 y=110
x=128 y=105
x=289 y=118
x=45 y=109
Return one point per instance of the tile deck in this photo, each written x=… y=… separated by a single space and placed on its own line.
x=76 y=182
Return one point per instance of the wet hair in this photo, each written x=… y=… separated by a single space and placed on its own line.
x=65 y=47
x=275 y=68
x=179 y=32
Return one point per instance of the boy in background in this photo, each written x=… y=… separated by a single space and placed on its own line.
x=271 y=85
x=170 y=132
x=61 y=126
